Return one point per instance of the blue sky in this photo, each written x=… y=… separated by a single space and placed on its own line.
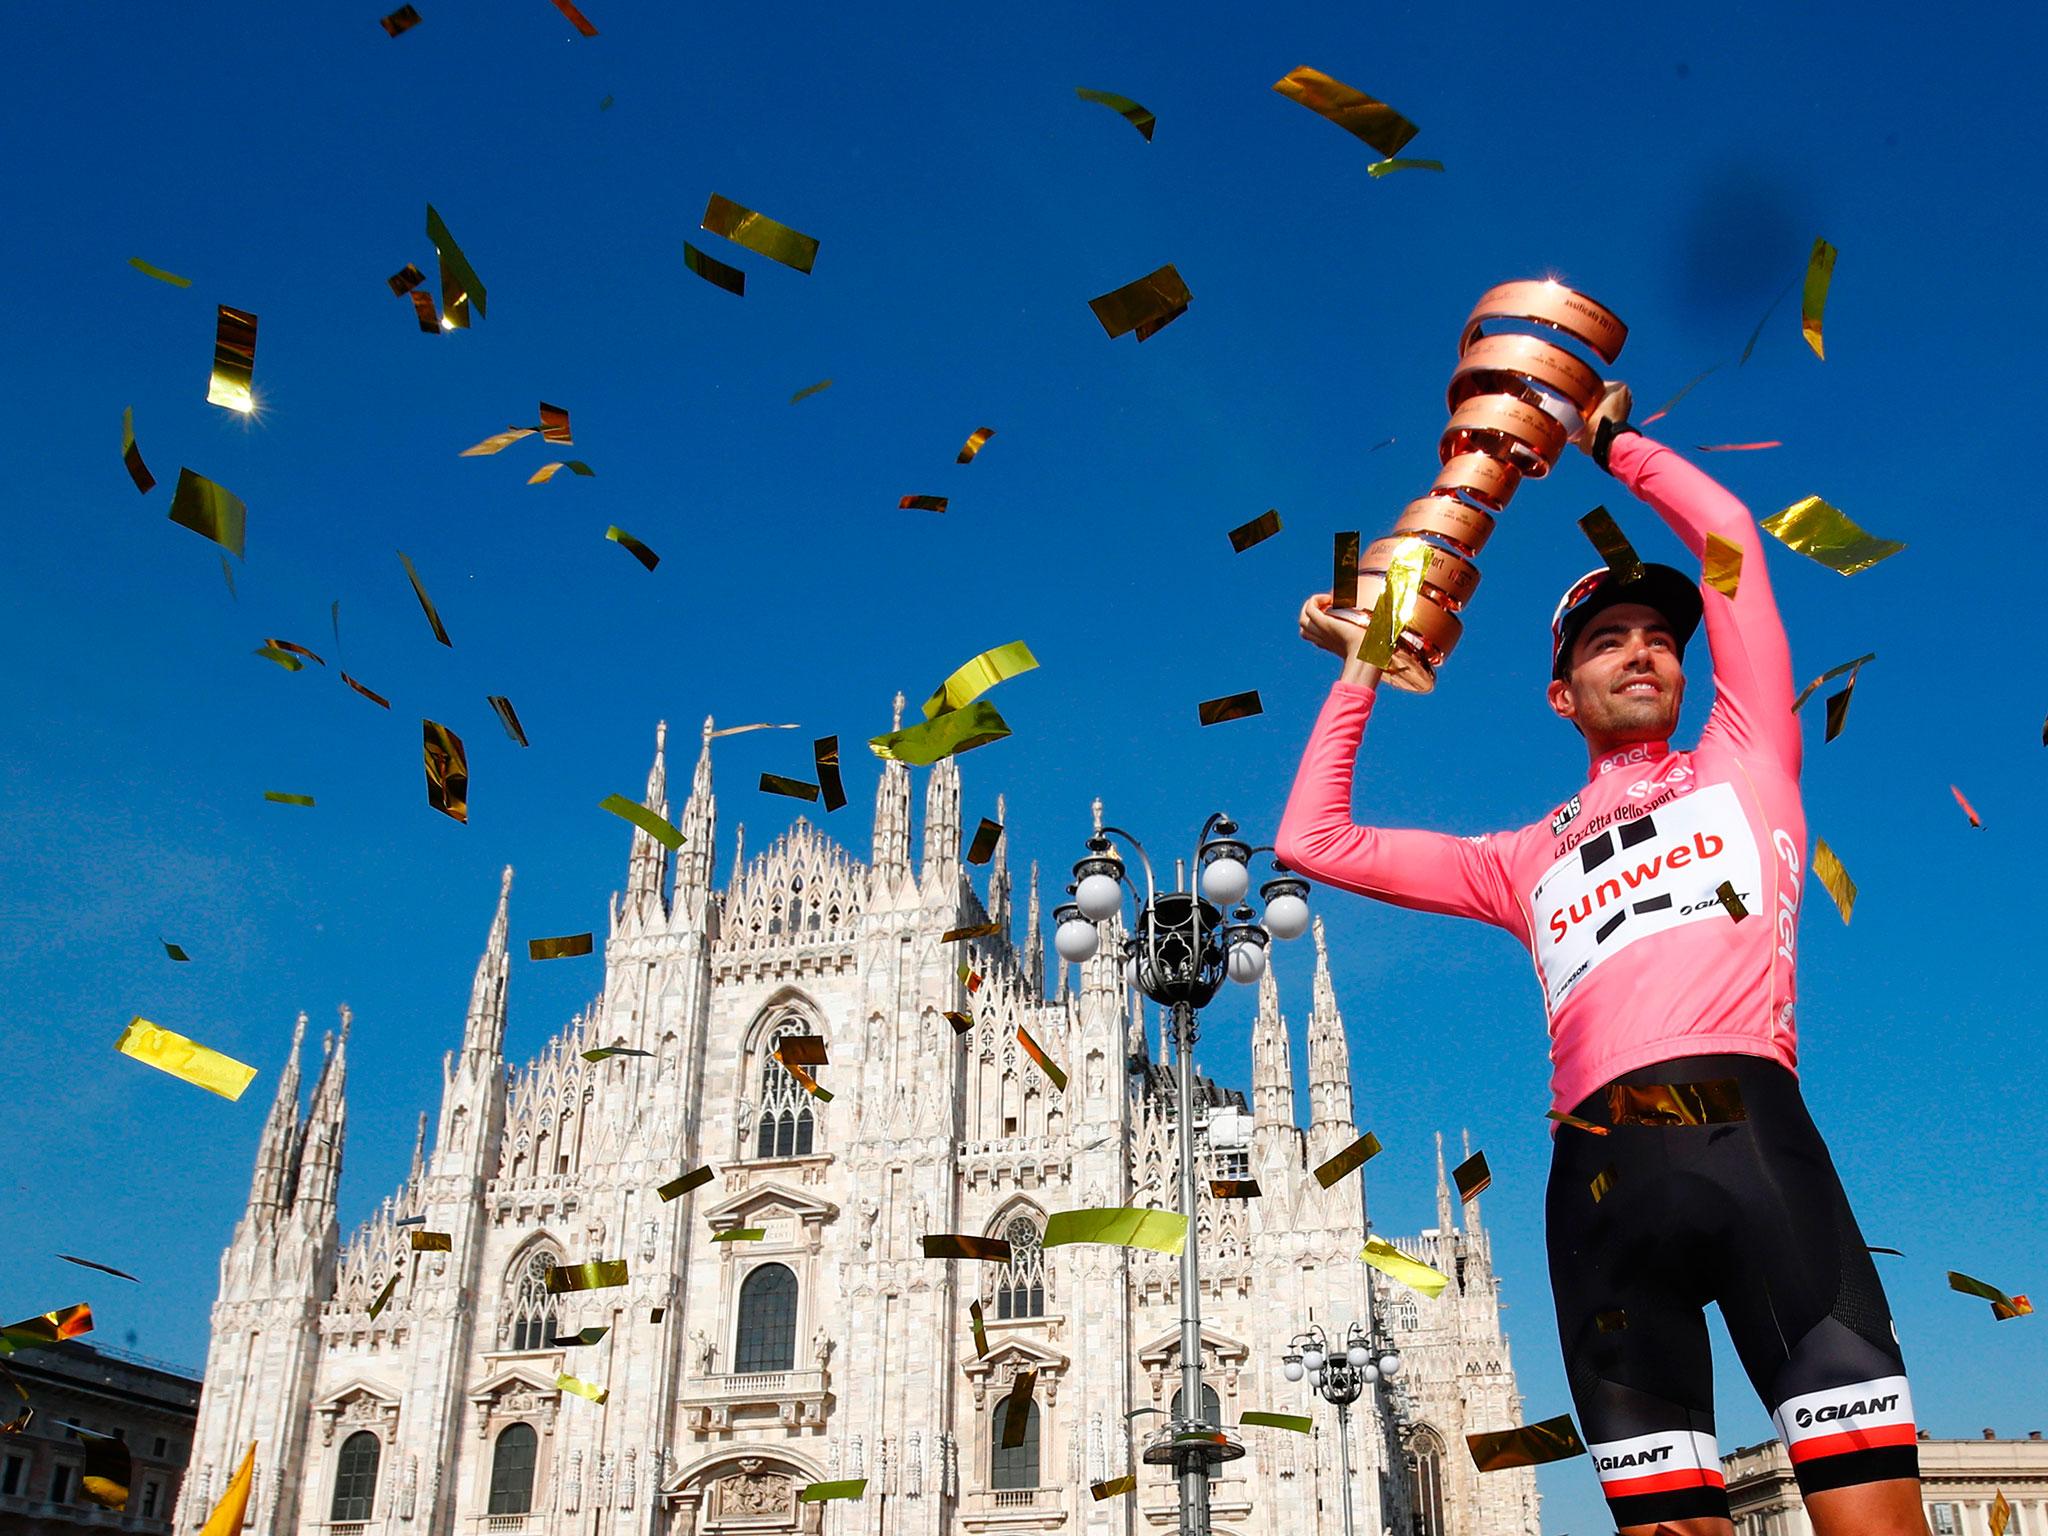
x=1677 y=166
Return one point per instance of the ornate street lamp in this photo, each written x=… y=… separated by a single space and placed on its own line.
x=1180 y=951
x=1339 y=1376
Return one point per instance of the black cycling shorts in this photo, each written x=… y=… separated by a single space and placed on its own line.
x=1750 y=1214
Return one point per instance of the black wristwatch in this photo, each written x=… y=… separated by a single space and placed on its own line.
x=1604 y=436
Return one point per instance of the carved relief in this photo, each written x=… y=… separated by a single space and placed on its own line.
x=753 y=1493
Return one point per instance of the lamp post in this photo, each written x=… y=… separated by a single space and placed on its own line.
x=1179 y=953
x=1339 y=1376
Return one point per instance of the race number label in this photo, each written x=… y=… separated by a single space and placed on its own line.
x=1639 y=878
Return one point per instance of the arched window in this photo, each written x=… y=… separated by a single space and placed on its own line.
x=355 y=1476
x=1212 y=1405
x=530 y=1321
x=1020 y=1284
x=786 y=1127
x=1426 y=1470
x=1013 y=1466
x=512 y=1470
x=766 y=1340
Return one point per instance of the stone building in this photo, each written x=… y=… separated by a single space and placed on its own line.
x=74 y=1386
x=1960 y=1482
x=736 y=1372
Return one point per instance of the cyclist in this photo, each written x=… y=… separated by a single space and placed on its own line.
x=1722 y=1191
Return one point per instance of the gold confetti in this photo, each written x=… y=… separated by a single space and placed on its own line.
x=1350 y=1160
x=1125 y=108
x=983 y=848
x=1838 y=712
x=1820 y=271
x=2001 y=1514
x=460 y=286
x=548 y=472
x=1665 y=409
x=1575 y=1122
x=157 y=1047
x=696 y=1178
x=590 y=1275
x=1396 y=1265
x=759 y=233
x=159 y=273
x=954 y=1245
x=1726 y=894
x=284 y=659
x=1472 y=1176
x=922 y=504
x=975 y=440
x=175 y=951
x=383 y=1297
x=1968 y=809
x=1738 y=447
x=1757 y=334
x=374 y=697
x=1344 y=570
x=1603 y=1181
x=844 y=1488
x=426 y=312
x=234 y=361
x=1532 y=1445
x=1114 y=1487
x=714 y=271
x=1723 y=566
x=1396 y=603
x=447 y=771
x=2003 y=1307
x=1834 y=879
x=758 y=725
x=210 y=510
x=1381 y=168
x=1146 y=305
x=633 y=546
x=554 y=424
x=432 y=1242
x=1118 y=1227
x=960 y=730
x=825 y=762
x=809 y=390
x=802 y=1051
x=1257 y=531
x=576 y=18
x=961 y=1022
x=1231 y=706
x=581 y=1337
x=566 y=947
x=1717 y=1101
x=796 y=789
x=508 y=717
x=229 y=1513
x=294 y=648
x=607 y=1052
x=404 y=280
x=1827 y=534
x=426 y=603
x=1046 y=1064
x=1235 y=1189
x=279 y=797
x=1260 y=1418
x=740 y=1235
x=808 y=1083
x=970 y=978
x=570 y=1383
x=976 y=1321
x=1355 y=112
x=131 y=455
x=644 y=819
x=1850 y=667
x=1017 y=1417
x=972 y=678
x=404 y=19
x=1613 y=544
x=972 y=931
x=497 y=442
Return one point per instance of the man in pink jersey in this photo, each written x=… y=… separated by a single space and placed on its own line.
x=1702 y=1178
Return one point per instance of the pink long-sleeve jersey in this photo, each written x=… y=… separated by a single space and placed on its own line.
x=1613 y=892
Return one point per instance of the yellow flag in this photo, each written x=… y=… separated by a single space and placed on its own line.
x=226 y=1519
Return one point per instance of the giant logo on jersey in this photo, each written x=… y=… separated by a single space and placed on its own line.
x=1639 y=878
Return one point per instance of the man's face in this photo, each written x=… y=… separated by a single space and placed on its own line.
x=1626 y=681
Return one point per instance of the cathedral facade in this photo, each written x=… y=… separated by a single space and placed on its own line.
x=450 y=1392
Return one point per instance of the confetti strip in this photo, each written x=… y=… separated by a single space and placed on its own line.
x=576 y=18
x=1603 y=1181
x=714 y=271
x=1575 y=1122
x=383 y=1297
x=1260 y=1418
x=975 y=441
x=972 y=678
x=844 y=1488
x=1827 y=534
x=374 y=697
x=976 y=1321
x=2003 y=1307
x=1968 y=810
x=105 y=1269
x=1381 y=168
x=1723 y=566
x=644 y=819
x=972 y=931
x=460 y=286
x=1344 y=570
x=922 y=504
x=825 y=763
x=405 y=279
x=954 y=1245
x=796 y=789
x=280 y=797
x=1820 y=271
x=426 y=603
x=567 y=947
x=1114 y=1487
x=46 y=1328
x=2001 y=1514
x=1757 y=334
x=1599 y=526
x=809 y=390
x=802 y=1051
x=1850 y=667
x=1472 y=1176
x=1257 y=531
x=131 y=455
x=157 y=1047
x=1118 y=1227
x=1124 y=107
x=1046 y=1064
x=1355 y=112
x=950 y=734
x=295 y=648
x=1726 y=894
x=1231 y=706
x=607 y=1052
x=1737 y=447
x=696 y=1178
x=404 y=19
x=508 y=717
x=210 y=510
x=759 y=233
x=426 y=312
x=447 y=766
x=1834 y=879
x=159 y=273
x=548 y=472
x=1837 y=713
x=1350 y=1160
x=497 y=442
x=228 y=1515
x=580 y=1338
x=1017 y=1416
x=591 y=1275
x=1146 y=305
x=570 y=1383
x=1716 y=1101
x=1235 y=1189
x=1665 y=409
x=961 y=1022
x=432 y=1242
x=740 y=1235
x=284 y=659
x=1396 y=603
x=1396 y=1265
x=1532 y=1445
x=554 y=425
x=986 y=836
x=633 y=547
x=175 y=951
